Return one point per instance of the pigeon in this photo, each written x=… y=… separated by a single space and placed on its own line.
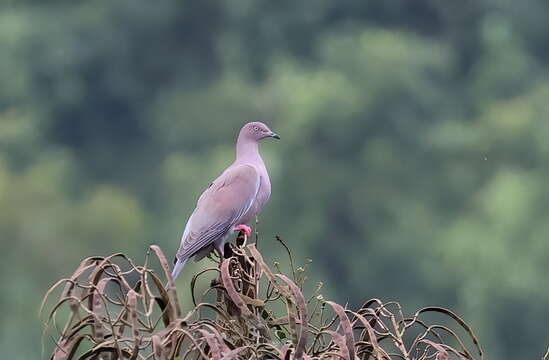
x=231 y=200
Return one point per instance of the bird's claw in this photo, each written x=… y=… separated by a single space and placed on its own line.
x=244 y=228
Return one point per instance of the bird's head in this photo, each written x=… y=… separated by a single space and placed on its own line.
x=257 y=130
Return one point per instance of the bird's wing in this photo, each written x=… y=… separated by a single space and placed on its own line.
x=219 y=208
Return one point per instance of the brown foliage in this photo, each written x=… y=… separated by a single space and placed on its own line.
x=107 y=318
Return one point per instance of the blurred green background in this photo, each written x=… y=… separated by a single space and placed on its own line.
x=413 y=164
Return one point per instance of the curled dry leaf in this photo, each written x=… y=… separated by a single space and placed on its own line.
x=248 y=311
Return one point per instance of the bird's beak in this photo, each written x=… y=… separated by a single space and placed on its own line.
x=274 y=135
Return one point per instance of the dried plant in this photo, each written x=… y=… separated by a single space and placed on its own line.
x=248 y=312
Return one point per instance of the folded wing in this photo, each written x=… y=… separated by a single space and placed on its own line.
x=220 y=208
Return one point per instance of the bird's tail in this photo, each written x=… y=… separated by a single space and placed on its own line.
x=179 y=264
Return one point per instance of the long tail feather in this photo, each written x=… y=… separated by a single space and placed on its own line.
x=179 y=264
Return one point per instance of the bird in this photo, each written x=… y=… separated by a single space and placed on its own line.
x=230 y=201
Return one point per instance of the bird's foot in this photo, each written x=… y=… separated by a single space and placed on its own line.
x=244 y=228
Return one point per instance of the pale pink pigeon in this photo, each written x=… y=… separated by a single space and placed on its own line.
x=231 y=200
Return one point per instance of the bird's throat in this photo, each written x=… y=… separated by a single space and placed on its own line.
x=247 y=150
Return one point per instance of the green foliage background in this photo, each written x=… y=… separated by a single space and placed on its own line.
x=413 y=165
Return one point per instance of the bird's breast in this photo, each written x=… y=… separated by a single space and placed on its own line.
x=264 y=191
x=261 y=198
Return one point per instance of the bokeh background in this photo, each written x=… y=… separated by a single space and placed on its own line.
x=413 y=164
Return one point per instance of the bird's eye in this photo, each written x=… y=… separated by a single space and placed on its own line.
x=256 y=128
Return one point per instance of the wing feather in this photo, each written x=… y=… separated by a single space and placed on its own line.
x=219 y=208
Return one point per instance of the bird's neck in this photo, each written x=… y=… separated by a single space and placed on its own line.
x=247 y=150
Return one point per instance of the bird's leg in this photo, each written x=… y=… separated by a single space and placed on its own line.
x=244 y=232
x=245 y=228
